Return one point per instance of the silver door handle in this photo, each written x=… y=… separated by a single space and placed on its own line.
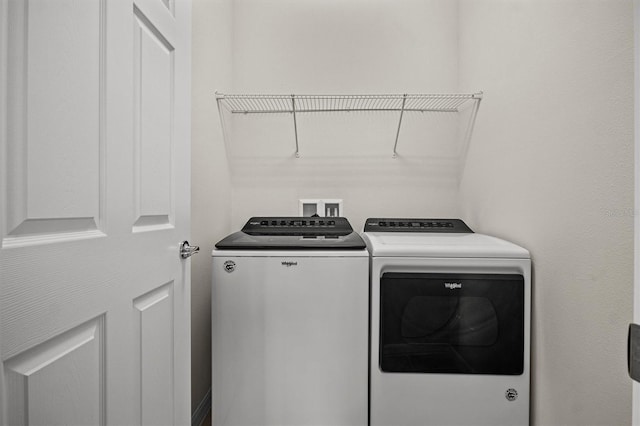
x=186 y=251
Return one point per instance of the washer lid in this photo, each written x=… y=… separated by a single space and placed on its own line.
x=399 y=244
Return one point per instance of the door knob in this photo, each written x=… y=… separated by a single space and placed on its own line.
x=187 y=251
x=633 y=351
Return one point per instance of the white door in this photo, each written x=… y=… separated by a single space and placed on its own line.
x=94 y=181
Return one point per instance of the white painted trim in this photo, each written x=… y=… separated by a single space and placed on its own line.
x=635 y=419
x=202 y=410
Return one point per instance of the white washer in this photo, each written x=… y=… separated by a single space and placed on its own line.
x=290 y=303
x=450 y=325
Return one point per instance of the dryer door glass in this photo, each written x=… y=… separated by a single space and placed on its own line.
x=452 y=323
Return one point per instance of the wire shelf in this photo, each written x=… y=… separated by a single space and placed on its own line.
x=301 y=104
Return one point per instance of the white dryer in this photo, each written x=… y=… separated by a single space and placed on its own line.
x=450 y=325
x=290 y=311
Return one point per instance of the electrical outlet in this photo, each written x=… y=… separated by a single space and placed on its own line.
x=326 y=207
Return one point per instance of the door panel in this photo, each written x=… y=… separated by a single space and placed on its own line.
x=41 y=380
x=155 y=327
x=154 y=110
x=94 y=148
x=55 y=98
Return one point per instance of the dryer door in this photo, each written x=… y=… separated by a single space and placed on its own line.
x=452 y=323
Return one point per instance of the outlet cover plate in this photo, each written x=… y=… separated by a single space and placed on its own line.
x=323 y=207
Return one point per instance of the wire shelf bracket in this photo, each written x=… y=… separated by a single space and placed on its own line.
x=306 y=104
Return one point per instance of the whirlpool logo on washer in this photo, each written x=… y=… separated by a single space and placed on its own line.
x=229 y=266
x=289 y=264
x=452 y=286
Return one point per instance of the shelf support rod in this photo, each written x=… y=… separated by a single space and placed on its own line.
x=395 y=146
x=223 y=126
x=295 y=124
x=467 y=136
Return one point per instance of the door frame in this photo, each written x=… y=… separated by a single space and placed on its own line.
x=636 y=216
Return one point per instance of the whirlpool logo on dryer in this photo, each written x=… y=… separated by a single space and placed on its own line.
x=452 y=286
x=289 y=264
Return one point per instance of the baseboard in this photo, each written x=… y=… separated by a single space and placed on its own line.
x=202 y=410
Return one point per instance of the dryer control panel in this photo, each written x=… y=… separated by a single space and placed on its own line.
x=416 y=225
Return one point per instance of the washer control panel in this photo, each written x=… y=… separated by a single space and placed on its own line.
x=314 y=226
x=294 y=233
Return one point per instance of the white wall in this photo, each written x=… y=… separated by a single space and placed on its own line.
x=211 y=193
x=550 y=165
x=343 y=47
x=551 y=168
